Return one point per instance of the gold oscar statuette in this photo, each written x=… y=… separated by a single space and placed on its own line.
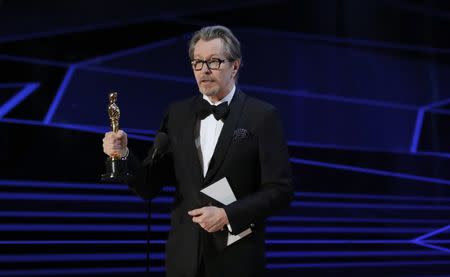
x=116 y=168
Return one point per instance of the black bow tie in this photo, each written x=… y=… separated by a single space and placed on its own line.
x=219 y=111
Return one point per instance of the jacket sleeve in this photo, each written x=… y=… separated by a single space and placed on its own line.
x=275 y=189
x=149 y=176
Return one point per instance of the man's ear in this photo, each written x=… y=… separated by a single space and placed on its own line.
x=236 y=65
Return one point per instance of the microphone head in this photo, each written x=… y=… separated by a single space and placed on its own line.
x=161 y=143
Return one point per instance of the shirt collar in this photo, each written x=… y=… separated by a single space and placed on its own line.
x=227 y=98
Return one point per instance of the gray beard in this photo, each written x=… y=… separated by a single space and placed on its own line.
x=209 y=92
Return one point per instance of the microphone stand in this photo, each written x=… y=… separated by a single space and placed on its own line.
x=148 y=203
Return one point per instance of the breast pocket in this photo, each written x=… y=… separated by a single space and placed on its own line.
x=244 y=151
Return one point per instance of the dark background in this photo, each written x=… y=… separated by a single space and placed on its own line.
x=362 y=88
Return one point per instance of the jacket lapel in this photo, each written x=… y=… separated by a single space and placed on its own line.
x=191 y=133
x=226 y=135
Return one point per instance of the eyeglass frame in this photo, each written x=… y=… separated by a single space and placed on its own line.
x=221 y=61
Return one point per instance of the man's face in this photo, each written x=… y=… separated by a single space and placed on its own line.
x=214 y=83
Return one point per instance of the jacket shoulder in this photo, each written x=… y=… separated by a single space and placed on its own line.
x=182 y=106
x=259 y=105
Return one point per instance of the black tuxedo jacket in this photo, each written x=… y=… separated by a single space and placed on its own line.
x=251 y=153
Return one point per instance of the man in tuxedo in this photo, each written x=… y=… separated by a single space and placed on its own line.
x=219 y=133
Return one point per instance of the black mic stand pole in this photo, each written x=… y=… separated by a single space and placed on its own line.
x=148 y=203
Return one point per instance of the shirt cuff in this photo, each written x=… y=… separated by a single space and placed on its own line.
x=125 y=156
x=229 y=228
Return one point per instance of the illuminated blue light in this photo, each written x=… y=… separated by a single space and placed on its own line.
x=60 y=257
x=33 y=60
x=369 y=196
x=78 y=242
x=433 y=233
x=356 y=264
x=345 y=241
x=89 y=128
x=421 y=112
x=102 y=129
x=95 y=129
x=167 y=217
x=332 y=229
x=59 y=94
x=168 y=189
x=130 y=51
x=346 y=41
x=140 y=131
x=62 y=185
x=68 y=197
x=259 y=89
x=79 y=197
x=77 y=271
x=370 y=149
x=82 y=214
x=122 y=187
x=140 y=74
x=417 y=130
x=307 y=254
x=17 y=99
x=432 y=246
x=356 y=219
x=312 y=95
x=165 y=228
x=82 y=228
x=291 y=241
x=367 y=206
x=73 y=214
x=371 y=171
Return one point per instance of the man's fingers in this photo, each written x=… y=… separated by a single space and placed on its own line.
x=207 y=218
x=196 y=212
x=197 y=219
x=120 y=134
x=213 y=228
x=110 y=134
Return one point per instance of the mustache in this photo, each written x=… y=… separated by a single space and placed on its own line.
x=206 y=79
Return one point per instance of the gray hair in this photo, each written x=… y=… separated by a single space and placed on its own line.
x=231 y=43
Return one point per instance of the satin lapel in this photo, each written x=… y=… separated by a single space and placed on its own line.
x=226 y=135
x=190 y=133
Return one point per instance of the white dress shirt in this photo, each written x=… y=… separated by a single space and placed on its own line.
x=210 y=129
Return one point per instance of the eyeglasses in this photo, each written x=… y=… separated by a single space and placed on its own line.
x=212 y=64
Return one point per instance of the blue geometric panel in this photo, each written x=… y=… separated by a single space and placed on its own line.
x=441 y=86
x=143 y=102
x=294 y=63
x=434 y=238
x=345 y=124
x=169 y=57
x=25 y=90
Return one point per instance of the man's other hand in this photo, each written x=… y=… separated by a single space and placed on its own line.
x=210 y=218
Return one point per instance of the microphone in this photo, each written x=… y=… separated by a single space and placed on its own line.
x=160 y=145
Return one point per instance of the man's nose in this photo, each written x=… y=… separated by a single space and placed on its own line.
x=205 y=69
